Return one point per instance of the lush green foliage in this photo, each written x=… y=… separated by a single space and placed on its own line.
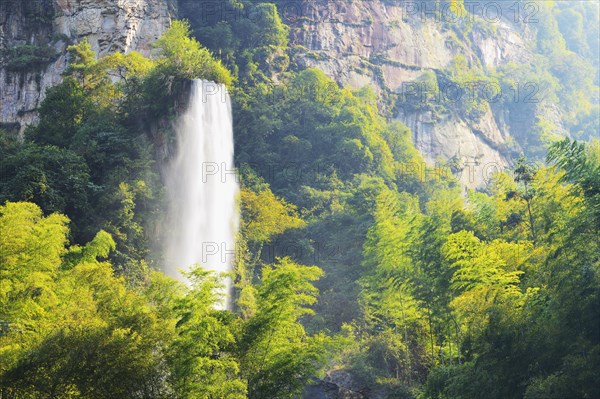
x=64 y=311
x=419 y=290
x=183 y=57
x=249 y=36
x=72 y=329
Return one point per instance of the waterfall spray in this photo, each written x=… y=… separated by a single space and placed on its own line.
x=202 y=187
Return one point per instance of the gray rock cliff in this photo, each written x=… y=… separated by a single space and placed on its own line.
x=109 y=25
x=389 y=45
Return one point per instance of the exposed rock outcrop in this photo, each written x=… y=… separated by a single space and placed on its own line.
x=385 y=44
x=337 y=384
x=390 y=44
x=342 y=384
x=109 y=26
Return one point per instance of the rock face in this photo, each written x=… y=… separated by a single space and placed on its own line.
x=337 y=384
x=109 y=26
x=386 y=44
x=390 y=44
x=342 y=384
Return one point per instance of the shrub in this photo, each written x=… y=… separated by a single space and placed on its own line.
x=27 y=57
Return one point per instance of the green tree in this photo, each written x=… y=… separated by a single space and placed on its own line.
x=524 y=174
x=183 y=57
x=56 y=179
x=201 y=356
x=73 y=327
x=277 y=356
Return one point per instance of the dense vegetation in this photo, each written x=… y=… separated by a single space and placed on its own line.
x=419 y=291
x=27 y=56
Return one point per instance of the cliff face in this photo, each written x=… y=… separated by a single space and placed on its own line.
x=386 y=44
x=109 y=25
x=390 y=45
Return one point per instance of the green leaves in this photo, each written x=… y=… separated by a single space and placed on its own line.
x=183 y=57
x=99 y=247
x=72 y=329
x=581 y=163
x=277 y=356
x=202 y=353
x=493 y=265
x=27 y=57
x=265 y=216
x=31 y=247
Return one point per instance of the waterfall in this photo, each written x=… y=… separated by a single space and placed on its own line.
x=202 y=187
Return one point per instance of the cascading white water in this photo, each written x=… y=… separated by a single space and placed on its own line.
x=202 y=187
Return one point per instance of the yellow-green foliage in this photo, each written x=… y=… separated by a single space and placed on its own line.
x=265 y=216
x=71 y=328
x=183 y=57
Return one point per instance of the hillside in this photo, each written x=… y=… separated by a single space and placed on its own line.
x=477 y=86
x=414 y=203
